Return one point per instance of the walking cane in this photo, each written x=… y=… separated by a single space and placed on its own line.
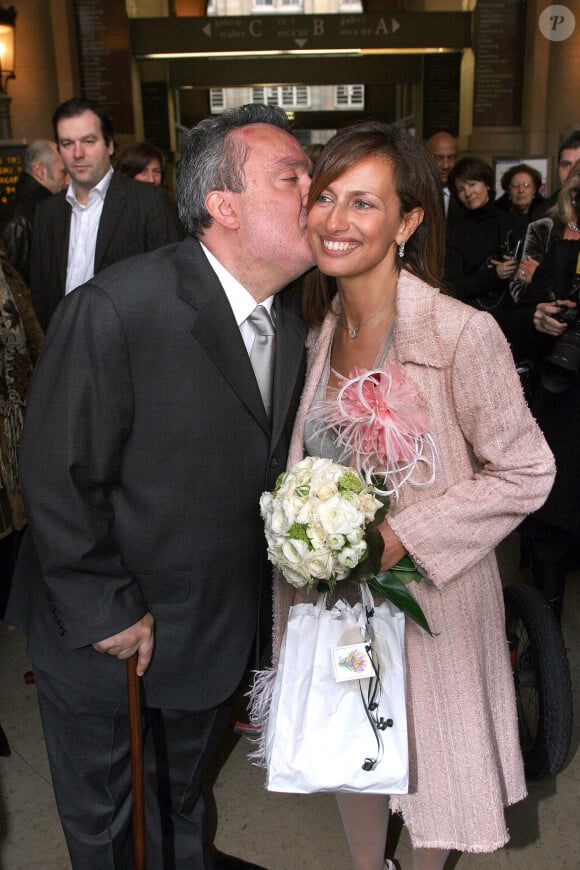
x=137 y=778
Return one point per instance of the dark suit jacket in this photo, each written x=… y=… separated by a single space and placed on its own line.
x=136 y=218
x=145 y=450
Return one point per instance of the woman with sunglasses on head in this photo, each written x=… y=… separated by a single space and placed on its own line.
x=376 y=227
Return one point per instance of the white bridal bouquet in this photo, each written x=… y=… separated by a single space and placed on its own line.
x=316 y=520
x=321 y=527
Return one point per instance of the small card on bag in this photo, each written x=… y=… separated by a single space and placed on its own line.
x=351 y=662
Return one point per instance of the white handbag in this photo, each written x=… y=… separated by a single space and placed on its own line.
x=326 y=732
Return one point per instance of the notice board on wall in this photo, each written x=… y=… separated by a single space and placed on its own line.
x=105 y=58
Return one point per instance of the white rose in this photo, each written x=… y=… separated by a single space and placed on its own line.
x=317 y=535
x=338 y=516
x=319 y=564
x=349 y=557
x=324 y=490
x=295 y=577
x=294 y=551
x=369 y=505
x=336 y=542
x=266 y=502
x=281 y=518
x=306 y=513
x=356 y=536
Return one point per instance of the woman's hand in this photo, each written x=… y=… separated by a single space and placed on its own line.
x=526 y=269
x=394 y=550
x=504 y=268
x=544 y=320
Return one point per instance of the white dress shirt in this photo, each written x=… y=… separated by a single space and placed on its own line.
x=241 y=302
x=446 y=195
x=84 y=226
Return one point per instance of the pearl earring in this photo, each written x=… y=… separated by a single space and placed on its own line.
x=402 y=250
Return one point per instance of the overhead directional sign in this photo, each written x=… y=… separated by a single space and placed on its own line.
x=174 y=37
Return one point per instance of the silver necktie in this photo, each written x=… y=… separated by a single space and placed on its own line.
x=263 y=353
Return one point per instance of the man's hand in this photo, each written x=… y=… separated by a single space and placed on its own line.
x=137 y=638
x=394 y=550
x=544 y=320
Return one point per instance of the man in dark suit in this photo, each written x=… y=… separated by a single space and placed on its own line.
x=100 y=219
x=147 y=445
x=443 y=147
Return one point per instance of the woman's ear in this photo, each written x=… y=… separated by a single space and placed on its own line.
x=221 y=205
x=409 y=224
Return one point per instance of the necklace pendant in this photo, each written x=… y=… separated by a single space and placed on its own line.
x=354 y=332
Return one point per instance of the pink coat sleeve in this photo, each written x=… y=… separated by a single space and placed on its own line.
x=497 y=465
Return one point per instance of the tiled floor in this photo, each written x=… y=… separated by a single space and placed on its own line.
x=280 y=832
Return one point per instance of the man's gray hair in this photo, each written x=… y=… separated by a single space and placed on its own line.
x=210 y=159
x=41 y=150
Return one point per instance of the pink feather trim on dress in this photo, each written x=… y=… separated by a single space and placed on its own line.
x=379 y=423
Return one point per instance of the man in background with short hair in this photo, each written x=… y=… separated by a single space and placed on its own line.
x=568 y=154
x=43 y=174
x=443 y=147
x=101 y=218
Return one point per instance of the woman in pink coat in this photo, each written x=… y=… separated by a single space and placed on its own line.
x=376 y=227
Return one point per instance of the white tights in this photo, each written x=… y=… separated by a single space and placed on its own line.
x=365 y=818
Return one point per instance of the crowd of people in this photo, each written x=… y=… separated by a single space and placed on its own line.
x=189 y=342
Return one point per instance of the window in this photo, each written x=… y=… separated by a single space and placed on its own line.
x=350 y=96
x=217 y=99
x=284 y=96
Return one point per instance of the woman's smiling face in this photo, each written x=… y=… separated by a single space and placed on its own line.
x=356 y=223
x=471 y=192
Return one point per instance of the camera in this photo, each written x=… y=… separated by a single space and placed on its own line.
x=563 y=364
x=510 y=247
x=569 y=315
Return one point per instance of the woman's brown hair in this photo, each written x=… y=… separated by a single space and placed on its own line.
x=417 y=184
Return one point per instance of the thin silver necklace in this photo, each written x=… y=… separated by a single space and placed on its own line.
x=353 y=331
x=574 y=227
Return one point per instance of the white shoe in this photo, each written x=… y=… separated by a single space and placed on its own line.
x=389 y=864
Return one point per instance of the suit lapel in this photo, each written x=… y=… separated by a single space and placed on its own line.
x=290 y=341
x=112 y=210
x=62 y=233
x=215 y=327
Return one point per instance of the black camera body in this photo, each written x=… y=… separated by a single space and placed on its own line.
x=562 y=367
x=568 y=315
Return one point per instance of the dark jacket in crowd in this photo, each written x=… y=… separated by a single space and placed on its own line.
x=16 y=232
x=480 y=235
x=556 y=392
x=504 y=203
x=136 y=218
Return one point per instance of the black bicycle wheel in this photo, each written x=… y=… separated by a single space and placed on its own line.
x=542 y=680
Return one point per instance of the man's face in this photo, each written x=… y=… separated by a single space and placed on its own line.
x=568 y=158
x=272 y=207
x=56 y=175
x=444 y=150
x=86 y=155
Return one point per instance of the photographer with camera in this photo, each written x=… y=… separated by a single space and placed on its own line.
x=549 y=318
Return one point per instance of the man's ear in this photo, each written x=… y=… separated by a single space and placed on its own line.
x=39 y=171
x=222 y=206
